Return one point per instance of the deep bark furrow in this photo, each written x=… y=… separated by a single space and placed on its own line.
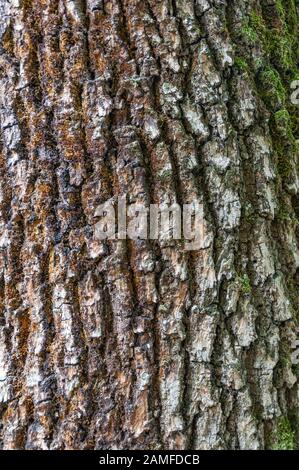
x=139 y=343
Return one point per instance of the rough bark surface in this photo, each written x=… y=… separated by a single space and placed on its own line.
x=142 y=344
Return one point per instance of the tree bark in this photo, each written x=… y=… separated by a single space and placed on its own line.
x=140 y=344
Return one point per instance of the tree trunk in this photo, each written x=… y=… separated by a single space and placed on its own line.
x=140 y=344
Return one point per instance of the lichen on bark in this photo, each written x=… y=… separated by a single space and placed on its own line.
x=140 y=344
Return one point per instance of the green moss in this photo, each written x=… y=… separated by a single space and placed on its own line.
x=249 y=34
x=282 y=214
x=284 y=439
x=285 y=144
x=241 y=64
x=256 y=21
x=273 y=66
x=280 y=9
x=285 y=361
x=252 y=28
x=282 y=121
x=277 y=37
x=245 y=284
x=285 y=168
x=281 y=48
x=278 y=42
x=282 y=116
x=279 y=45
x=271 y=87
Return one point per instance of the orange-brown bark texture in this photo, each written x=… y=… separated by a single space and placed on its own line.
x=140 y=344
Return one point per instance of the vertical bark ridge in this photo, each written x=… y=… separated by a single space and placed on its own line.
x=138 y=343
